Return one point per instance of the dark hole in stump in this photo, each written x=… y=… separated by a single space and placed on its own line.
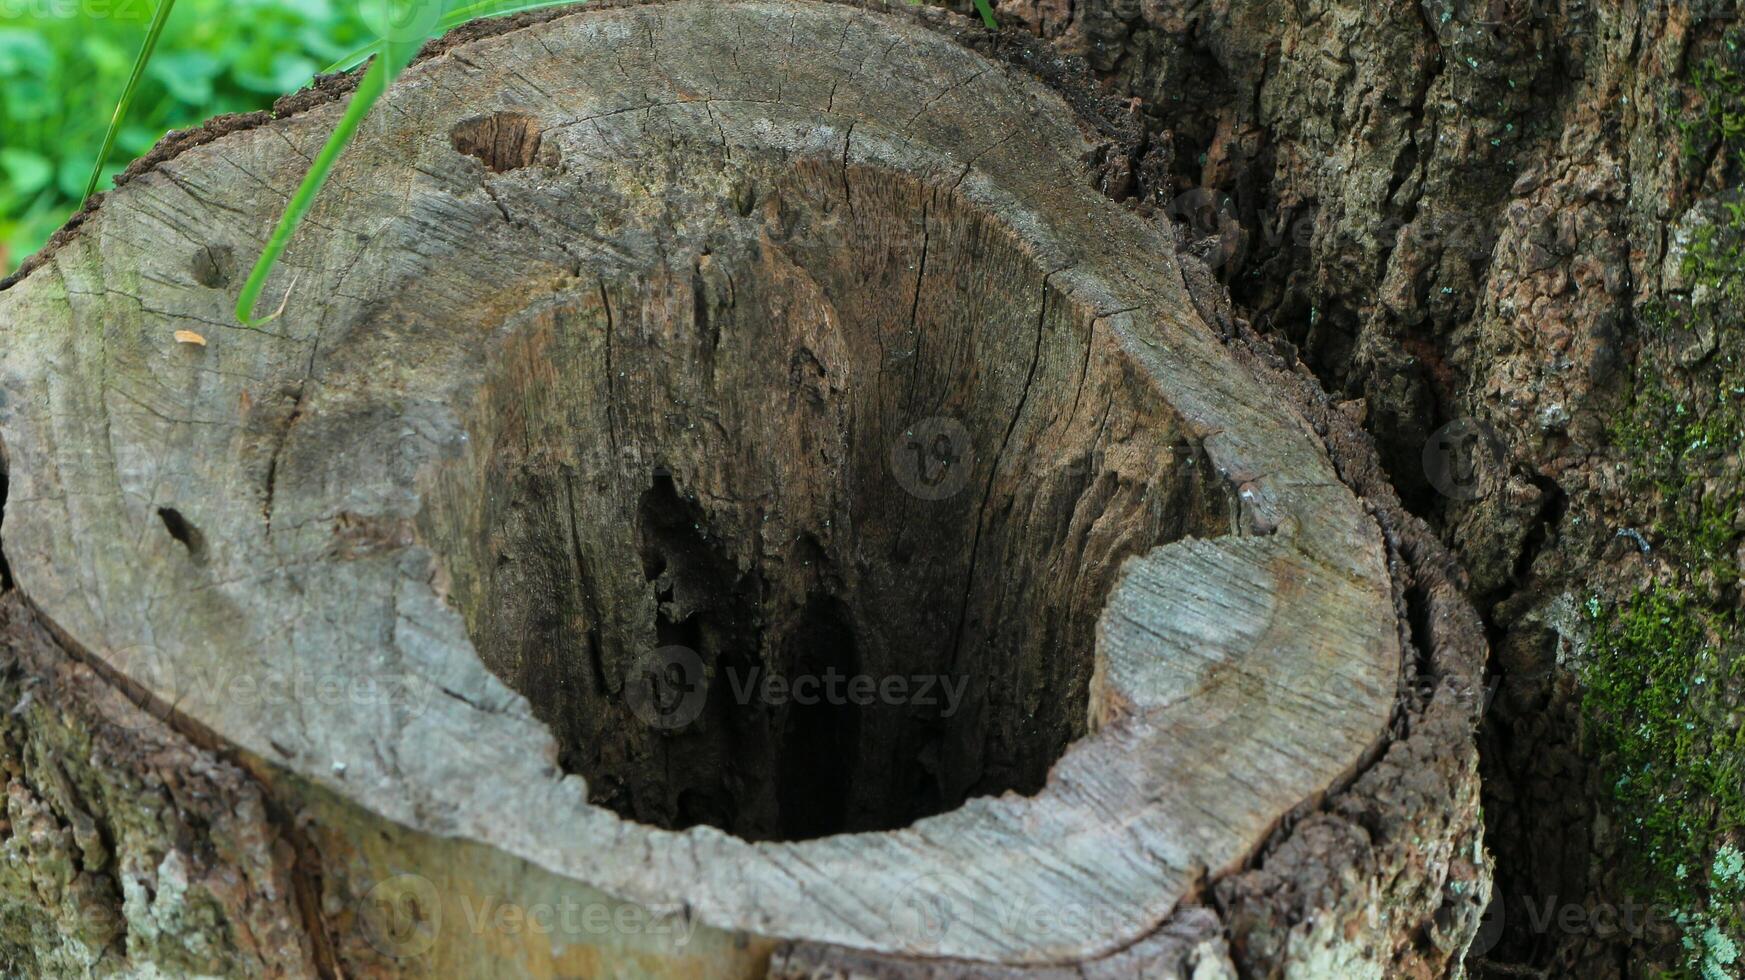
x=503 y=140
x=182 y=531
x=774 y=544
x=211 y=265
x=5 y=569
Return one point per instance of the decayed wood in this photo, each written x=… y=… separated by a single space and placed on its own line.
x=793 y=336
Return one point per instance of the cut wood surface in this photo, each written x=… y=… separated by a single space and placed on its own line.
x=637 y=355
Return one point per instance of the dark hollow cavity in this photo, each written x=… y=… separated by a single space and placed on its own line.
x=184 y=532
x=5 y=569
x=805 y=529
x=503 y=140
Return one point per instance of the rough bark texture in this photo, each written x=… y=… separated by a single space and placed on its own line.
x=125 y=843
x=642 y=348
x=1513 y=224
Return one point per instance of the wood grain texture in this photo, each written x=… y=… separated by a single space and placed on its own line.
x=740 y=247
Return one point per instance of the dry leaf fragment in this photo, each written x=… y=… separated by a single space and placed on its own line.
x=189 y=337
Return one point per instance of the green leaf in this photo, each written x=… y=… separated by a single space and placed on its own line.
x=287 y=73
x=189 y=75
x=325 y=42
x=135 y=140
x=319 y=11
x=27 y=234
x=70 y=175
x=108 y=57
x=25 y=51
x=28 y=99
x=28 y=172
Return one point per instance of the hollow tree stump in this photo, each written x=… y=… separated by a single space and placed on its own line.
x=645 y=368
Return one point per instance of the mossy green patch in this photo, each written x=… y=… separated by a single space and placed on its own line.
x=1681 y=436
x=1664 y=698
x=1661 y=688
x=1717 y=119
x=1665 y=681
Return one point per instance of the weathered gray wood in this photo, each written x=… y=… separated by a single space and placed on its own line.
x=581 y=284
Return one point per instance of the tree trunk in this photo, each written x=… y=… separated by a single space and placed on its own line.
x=729 y=494
x=1513 y=226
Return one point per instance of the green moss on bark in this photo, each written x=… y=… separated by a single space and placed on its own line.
x=1665 y=677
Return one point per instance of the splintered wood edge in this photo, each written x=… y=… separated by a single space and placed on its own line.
x=1237 y=678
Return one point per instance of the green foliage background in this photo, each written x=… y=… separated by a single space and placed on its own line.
x=63 y=63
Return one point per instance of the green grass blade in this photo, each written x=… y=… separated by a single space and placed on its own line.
x=375 y=82
x=151 y=42
x=392 y=57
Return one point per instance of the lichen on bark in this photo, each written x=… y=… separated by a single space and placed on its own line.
x=126 y=847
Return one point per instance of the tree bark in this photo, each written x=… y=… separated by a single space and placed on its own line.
x=1514 y=222
x=729 y=494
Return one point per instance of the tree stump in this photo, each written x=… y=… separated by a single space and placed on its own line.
x=727 y=496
